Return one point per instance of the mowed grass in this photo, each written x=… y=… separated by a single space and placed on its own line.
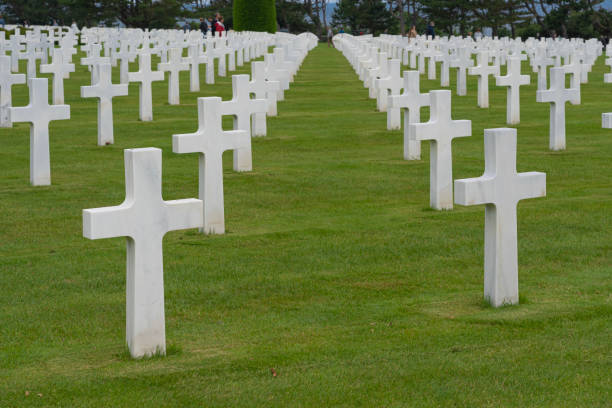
x=335 y=284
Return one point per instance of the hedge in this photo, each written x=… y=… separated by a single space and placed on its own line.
x=255 y=15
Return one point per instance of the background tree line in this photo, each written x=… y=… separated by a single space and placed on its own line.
x=524 y=18
x=567 y=18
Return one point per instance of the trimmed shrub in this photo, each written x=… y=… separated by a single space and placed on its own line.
x=255 y=15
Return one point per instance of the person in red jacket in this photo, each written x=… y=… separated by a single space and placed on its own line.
x=220 y=27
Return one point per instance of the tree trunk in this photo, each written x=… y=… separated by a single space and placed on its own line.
x=402 y=17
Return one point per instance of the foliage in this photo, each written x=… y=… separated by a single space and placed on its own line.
x=132 y=13
x=568 y=18
x=292 y=16
x=364 y=16
x=255 y=15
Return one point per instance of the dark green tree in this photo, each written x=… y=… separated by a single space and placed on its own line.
x=144 y=13
x=292 y=16
x=446 y=14
x=346 y=15
x=32 y=11
x=371 y=16
x=376 y=17
x=255 y=15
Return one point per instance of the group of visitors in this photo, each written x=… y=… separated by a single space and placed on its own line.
x=430 y=31
x=212 y=26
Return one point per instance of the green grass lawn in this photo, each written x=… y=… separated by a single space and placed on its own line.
x=334 y=273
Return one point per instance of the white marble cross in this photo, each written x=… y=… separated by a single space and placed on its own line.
x=210 y=56
x=557 y=95
x=500 y=188
x=390 y=85
x=145 y=76
x=7 y=80
x=574 y=68
x=16 y=48
x=194 y=59
x=445 y=58
x=483 y=70
x=462 y=62
x=379 y=69
x=59 y=69
x=94 y=60
x=124 y=56
x=274 y=73
x=421 y=58
x=210 y=141
x=68 y=51
x=31 y=55
x=104 y=90
x=262 y=89
x=540 y=64
x=431 y=54
x=144 y=218
x=241 y=108
x=221 y=51
x=411 y=100
x=513 y=80
x=39 y=113
x=441 y=130
x=174 y=65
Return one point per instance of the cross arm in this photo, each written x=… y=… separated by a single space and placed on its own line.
x=14 y=79
x=461 y=128
x=545 y=96
x=188 y=143
x=475 y=191
x=422 y=131
x=60 y=112
x=183 y=214
x=107 y=222
x=531 y=185
x=48 y=68
x=399 y=101
x=502 y=80
x=573 y=95
x=235 y=139
x=90 y=91
x=67 y=68
x=524 y=80
x=21 y=114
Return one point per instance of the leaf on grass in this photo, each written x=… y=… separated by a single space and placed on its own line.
x=273 y=371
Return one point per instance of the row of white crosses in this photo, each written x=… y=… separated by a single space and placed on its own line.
x=144 y=217
x=500 y=188
x=104 y=90
x=365 y=55
x=606 y=118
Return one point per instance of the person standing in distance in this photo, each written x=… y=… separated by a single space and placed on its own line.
x=430 y=30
